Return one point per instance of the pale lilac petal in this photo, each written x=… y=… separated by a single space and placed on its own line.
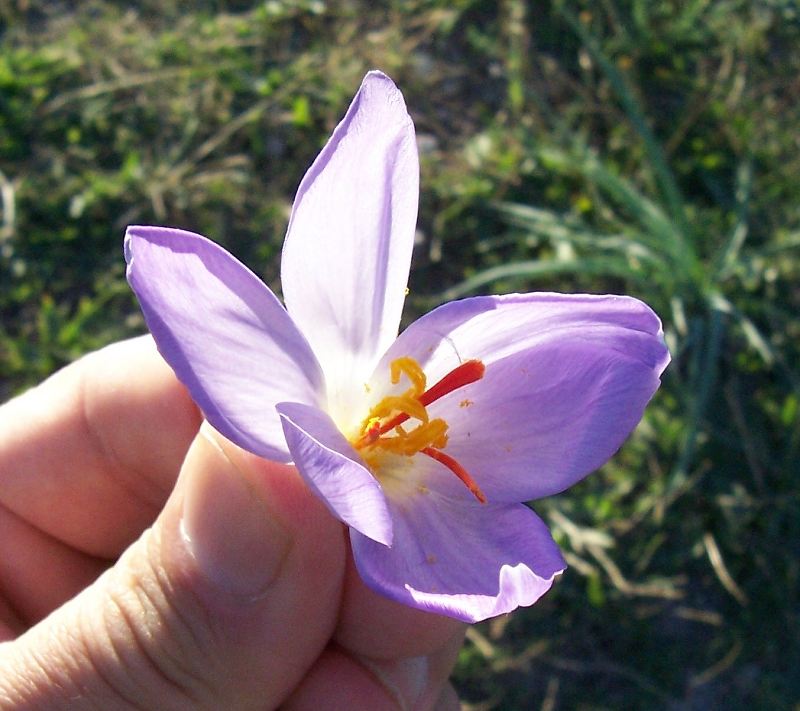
x=567 y=379
x=470 y=562
x=333 y=471
x=348 y=246
x=224 y=333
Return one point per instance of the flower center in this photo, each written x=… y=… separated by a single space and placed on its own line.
x=383 y=429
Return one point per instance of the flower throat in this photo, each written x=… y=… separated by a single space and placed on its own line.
x=383 y=431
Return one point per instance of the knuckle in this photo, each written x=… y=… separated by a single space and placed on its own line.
x=155 y=641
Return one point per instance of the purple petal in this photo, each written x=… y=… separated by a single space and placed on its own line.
x=470 y=562
x=348 y=246
x=224 y=333
x=334 y=472
x=567 y=379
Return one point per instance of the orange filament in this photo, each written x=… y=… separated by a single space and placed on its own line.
x=430 y=435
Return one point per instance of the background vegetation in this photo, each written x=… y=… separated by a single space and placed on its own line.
x=633 y=146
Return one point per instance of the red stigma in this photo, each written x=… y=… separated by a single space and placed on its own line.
x=468 y=372
x=458 y=470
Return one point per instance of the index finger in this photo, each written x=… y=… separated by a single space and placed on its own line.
x=91 y=454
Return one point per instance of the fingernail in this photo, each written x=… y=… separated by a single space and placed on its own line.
x=226 y=524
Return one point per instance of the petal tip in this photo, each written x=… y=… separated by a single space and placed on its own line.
x=376 y=75
x=133 y=233
x=379 y=87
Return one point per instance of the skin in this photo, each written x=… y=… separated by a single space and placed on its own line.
x=146 y=562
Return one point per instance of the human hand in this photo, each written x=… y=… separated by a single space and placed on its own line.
x=147 y=563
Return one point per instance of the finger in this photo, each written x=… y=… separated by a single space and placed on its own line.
x=337 y=681
x=448 y=700
x=90 y=455
x=37 y=572
x=224 y=603
x=10 y=623
x=341 y=680
x=371 y=625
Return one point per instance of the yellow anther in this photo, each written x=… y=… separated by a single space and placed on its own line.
x=373 y=437
x=407 y=366
x=427 y=434
x=398 y=403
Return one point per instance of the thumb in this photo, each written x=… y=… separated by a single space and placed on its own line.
x=224 y=603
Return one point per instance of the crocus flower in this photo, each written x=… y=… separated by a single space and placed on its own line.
x=424 y=444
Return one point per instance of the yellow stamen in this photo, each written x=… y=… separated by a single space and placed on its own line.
x=406 y=365
x=399 y=403
x=382 y=430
